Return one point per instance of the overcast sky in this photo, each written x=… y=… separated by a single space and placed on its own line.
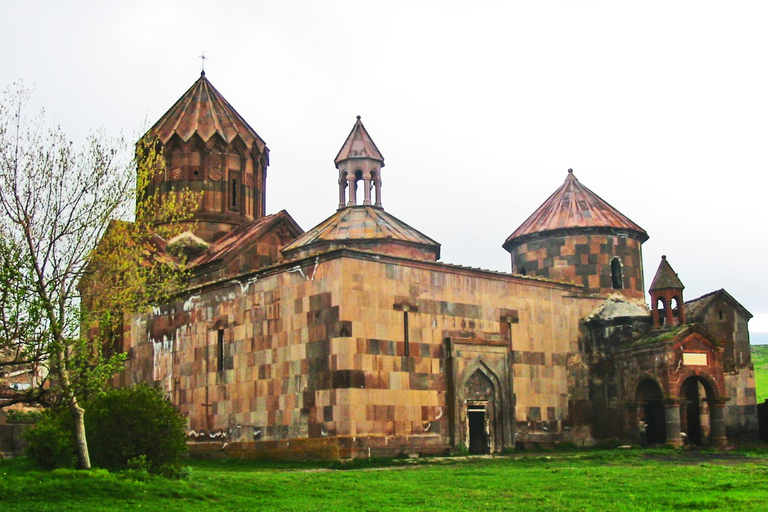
x=479 y=108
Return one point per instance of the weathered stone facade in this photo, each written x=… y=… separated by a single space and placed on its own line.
x=352 y=340
x=383 y=354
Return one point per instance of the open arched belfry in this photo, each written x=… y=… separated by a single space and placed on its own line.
x=353 y=339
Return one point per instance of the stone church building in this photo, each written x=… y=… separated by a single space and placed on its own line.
x=352 y=339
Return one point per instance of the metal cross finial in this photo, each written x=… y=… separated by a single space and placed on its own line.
x=203 y=57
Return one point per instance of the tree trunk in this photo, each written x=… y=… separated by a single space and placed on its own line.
x=81 y=445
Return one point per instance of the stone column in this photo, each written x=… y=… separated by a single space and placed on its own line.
x=672 y=421
x=352 y=181
x=717 y=424
x=342 y=186
x=634 y=413
x=367 y=191
x=377 y=183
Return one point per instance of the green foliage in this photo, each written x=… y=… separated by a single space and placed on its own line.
x=50 y=443
x=760 y=362
x=23 y=416
x=135 y=428
x=626 y=480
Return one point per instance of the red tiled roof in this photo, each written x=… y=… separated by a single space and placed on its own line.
x=359 y=145
x=573 y=205
x=202 y=110
x=666 y=277
x=240 y=237
x=361 y=223
x=695 y=308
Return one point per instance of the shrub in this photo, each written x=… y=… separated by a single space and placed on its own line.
x=135 y=428
x=50 y=442
x=14 y=416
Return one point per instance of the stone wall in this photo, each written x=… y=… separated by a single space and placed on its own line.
x=729 y=327
x=584 y=259
x=319 y=350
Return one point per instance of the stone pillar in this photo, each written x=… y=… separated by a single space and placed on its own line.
x=672 y=421
x=717 y=424
x=352 y=184
x=367 y=191
x=377 y=184
x=632 y=427
x=342 y=186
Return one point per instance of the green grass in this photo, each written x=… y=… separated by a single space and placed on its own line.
x=760 y=362
x=599 y=480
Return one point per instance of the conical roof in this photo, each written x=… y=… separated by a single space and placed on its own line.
x=202 y=110
x=359 y=145
x=362 y=227
x=666 y=277
x=574 y=206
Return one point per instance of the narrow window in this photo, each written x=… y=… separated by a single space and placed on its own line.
x=674 y=305
x=661 y=307
x=220 y=343
x=616 y=277
x=405 y=333
x=522 y=271
x=358 y=188
x=234 y=193
x=720 y=314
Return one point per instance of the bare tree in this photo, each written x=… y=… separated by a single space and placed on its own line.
x=71 y=221
x=55 y=204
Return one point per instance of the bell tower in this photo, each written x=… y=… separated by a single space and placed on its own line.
x=667 y=296
x=359 y=160
x=211 y=150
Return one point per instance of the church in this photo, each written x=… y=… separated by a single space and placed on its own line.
x=352 y=339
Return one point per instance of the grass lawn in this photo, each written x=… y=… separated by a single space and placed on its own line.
x=760 y=362
x=596 y=480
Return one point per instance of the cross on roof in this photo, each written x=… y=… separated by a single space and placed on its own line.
x=203 y=58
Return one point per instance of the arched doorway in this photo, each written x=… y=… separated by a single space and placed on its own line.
x=694 y=411
x=652 y=411
x=480 y=428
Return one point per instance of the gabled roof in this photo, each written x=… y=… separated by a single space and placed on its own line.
x=574 y=206
x=243 y=236
x=360 y=224
x=359 y=145
x=672 y=337
x=696 y=309
x=666 y=277
x=203 y=111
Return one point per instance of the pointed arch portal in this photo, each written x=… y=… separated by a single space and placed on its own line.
x=479 y=391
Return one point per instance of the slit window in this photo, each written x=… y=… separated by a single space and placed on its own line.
x=616 y=277
x=407 y=349
x=220 y=349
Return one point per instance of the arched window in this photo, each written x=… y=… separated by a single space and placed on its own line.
x=522 y=271
x=674 y=304
x=358 y=178
x=616 y=277
x=661 y=307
